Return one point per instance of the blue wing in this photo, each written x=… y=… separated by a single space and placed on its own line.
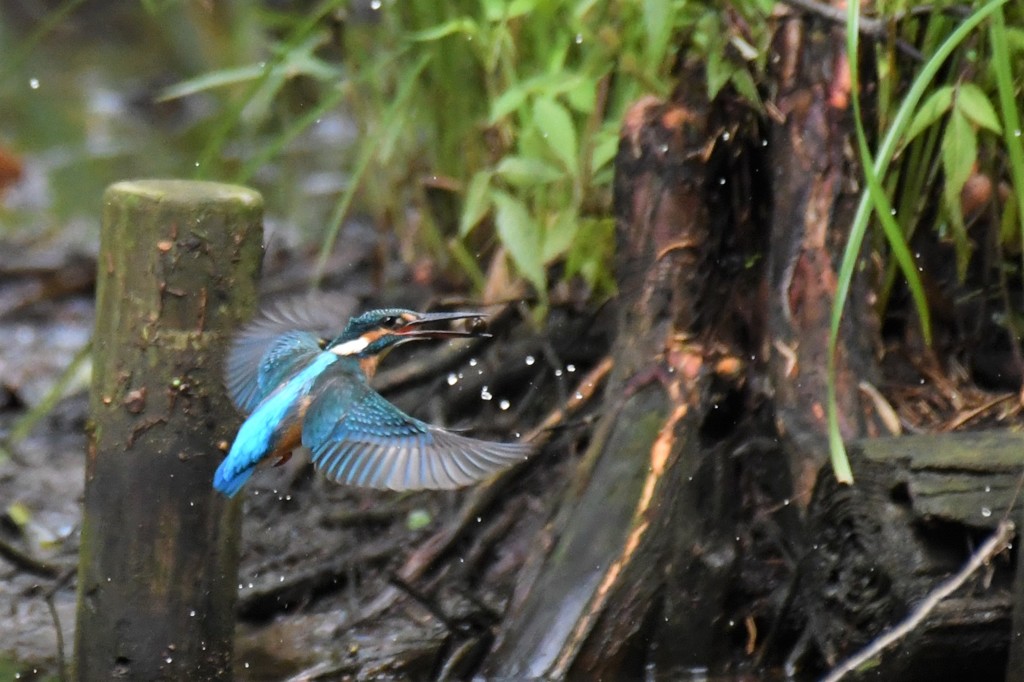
x=292 y=329
x=359 y=438
x=275 y=415
x=250 y=380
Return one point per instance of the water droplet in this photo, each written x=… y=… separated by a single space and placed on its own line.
x=485 y=394
x=281 y=579
x=570 y=368
x=33 y=83
x=986 y=512
x=1016 y=133
x=988 y=488
x=664 y=149
x=247 y=665
x=375 y=5
x=578 y=396
x=579 y=38
x=192 y=614
x=472 y=362
x=558 y=372
x=504 y=404
x=892 y=211
x=452 y=379
x=530 y=360
x=168 y=660
x=785 y=503
x=721 y=181
x=764 y=143
x=726 y=136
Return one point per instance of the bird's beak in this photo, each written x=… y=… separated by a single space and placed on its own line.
x=415 y=329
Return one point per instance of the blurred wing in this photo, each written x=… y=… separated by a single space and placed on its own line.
x=250 y=378
x=320 y=316
x=359 y=438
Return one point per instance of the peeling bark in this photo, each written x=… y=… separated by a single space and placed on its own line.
x=600 y=582
x=812 y=210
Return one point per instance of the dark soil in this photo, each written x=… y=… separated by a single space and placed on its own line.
x=320 y=592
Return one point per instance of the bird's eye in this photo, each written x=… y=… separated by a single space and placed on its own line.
x=389 y=321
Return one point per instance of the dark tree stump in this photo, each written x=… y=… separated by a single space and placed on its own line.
x=812 y=210
x=178 y=264
x=593 y=603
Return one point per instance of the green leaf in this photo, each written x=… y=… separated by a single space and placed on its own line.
x=934 y=108
x=658 y=26
x=478 y=202
x=582 y=95
x=959 y=153
x=524 y=171
x=975 y=105
x=559 y=235
x=719 y=71
x=211 y=81
x=744 y=84
x=591 y=252
x=508 y=101
x=1014 y=39
x=463 y=25
x=557 y=128
x=520 y=235
x=606 y=146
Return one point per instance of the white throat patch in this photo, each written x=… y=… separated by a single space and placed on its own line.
x=350 y=348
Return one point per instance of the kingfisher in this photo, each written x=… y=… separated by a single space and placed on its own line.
x=299 y=387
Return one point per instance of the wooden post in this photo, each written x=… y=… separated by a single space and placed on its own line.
x=178 y=265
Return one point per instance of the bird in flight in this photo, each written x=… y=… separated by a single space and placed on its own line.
x=301 y=387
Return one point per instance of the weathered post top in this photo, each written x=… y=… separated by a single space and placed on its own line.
x=178 y=265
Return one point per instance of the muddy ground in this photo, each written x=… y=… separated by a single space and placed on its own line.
x=320 y=592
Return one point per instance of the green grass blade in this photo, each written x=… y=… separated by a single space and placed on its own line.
x=875 y=199
x=1009 y=112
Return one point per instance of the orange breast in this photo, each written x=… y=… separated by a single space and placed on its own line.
x=291 y=436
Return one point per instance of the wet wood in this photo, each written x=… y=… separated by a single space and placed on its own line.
x=921 y=504
x=178 y=263
x=813 y=190
x=584 y=599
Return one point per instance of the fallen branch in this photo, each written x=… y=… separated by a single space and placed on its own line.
x=28 y=563
x=424 y=557
x=996 y=543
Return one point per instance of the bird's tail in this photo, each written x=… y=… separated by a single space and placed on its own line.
x=228 y=480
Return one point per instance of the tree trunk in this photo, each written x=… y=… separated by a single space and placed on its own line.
x=178 y=264
x=811 y=213
x=587 y=612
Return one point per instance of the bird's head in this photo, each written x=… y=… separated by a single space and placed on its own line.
x=375 y=331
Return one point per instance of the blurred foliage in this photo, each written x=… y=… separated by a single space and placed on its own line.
x=497 y=120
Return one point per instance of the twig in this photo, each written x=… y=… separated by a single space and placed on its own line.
x=62 y=669
x=28 y=563
x=996 y=543
x=424 y=557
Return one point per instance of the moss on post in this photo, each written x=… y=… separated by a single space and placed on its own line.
x=178 y=265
